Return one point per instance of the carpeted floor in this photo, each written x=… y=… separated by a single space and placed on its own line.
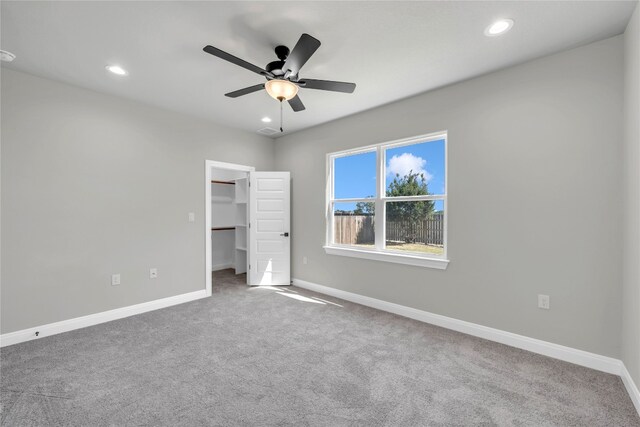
x=263 y=357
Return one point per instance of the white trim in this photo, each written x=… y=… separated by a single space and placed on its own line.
x=328 y=217
x=445 y=238
x=412 y=198
x=386 y=256
x=381 y=201
x=631 y=387
x=355 y=200
x=380 y=206
x=97 y=318
x=208 y=250
x=352 y=151
x=556 y=351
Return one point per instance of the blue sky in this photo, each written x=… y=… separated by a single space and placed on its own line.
x=355 y=176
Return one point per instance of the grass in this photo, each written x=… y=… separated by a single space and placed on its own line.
x=364 y=245
x=416 y=247
x=408 y=247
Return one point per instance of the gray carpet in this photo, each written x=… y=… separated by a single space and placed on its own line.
x=265 y=357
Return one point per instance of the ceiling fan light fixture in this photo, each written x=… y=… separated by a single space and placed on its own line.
x=281 y=89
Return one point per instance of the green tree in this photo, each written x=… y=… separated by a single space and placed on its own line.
x=411 y=213
x=365 y=208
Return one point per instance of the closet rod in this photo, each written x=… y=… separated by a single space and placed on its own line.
x=222 y=228
x=223 y=182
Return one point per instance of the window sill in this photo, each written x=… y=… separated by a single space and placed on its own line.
x=437 y=263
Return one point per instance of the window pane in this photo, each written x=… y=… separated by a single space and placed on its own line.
x=353 y=224
x=355 y=176
x=415 y=170
x=415 y=227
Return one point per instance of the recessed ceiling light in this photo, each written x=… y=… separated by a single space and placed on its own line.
x=266 y=119
x=116 y=69
x=499 y=27
x=6 y=56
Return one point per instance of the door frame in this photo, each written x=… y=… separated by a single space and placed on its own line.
x=208 y=164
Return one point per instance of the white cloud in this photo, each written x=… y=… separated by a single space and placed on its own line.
x=406 y=162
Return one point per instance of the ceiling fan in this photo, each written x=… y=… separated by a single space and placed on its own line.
x=282 y=76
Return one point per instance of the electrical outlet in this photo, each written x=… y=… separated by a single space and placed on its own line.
x=115 y=279
x=153 y=273
x=192 y=217
x=543 y=301
x=304 y=259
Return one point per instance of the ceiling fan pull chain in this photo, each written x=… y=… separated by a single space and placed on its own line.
x=281 y=114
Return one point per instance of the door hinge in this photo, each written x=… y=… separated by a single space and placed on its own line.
x=249 y=225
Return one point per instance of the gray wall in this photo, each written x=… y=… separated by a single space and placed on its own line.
x=94 y=185
x=631 y=279
x=534 y=178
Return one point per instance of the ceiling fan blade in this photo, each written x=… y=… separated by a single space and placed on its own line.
x=235 y=60
x=245 y=91
x=327 y=85
x=296 y=104
x=301 y=53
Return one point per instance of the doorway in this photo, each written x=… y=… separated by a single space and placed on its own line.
x=226 y=218
x=247 y=224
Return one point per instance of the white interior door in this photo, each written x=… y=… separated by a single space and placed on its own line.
x=269 y=241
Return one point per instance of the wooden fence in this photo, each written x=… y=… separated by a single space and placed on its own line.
x=359 y=229
x=353 y=229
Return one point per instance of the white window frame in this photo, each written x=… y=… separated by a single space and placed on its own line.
x=379 y=253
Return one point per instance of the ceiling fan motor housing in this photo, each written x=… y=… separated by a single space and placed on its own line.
x=282 y=52
x=276 y=67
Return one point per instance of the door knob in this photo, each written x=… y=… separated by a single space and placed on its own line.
x=285 y=234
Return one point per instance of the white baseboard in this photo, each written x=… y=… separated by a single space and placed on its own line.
x=94 y=319
x=579 y=357
x=222 y=266
x=631 y=387
x=556 y=351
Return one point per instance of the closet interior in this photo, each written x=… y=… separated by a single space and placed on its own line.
x=229 y=213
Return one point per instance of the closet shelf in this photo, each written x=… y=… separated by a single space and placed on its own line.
x=213 y=181
x=222 y=228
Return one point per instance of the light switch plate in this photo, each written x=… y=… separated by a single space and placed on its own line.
x=543 y=302
x=115 y=279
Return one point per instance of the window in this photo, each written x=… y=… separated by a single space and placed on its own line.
x=388 y=202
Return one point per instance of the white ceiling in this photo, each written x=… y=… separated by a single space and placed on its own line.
x=392 y=50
